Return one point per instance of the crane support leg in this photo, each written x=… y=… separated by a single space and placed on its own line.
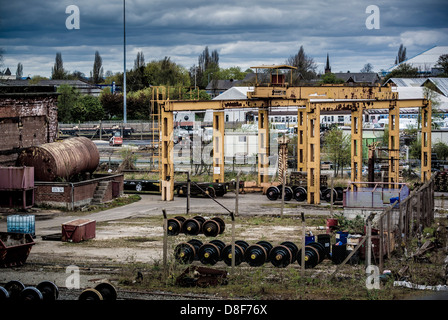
x=301 y=139
x=263 y=146
x=426 y=142
x=313 y=156
x=356 y=145
x=218 y=146
x=167 y=178
x=394 y=146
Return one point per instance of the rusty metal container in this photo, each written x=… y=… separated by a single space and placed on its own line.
x=63 y=159
x=14 y=248
x=16 y=187
x=16 y=178
x=78 y=230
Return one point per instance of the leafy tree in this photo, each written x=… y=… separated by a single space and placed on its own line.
x=404 y=70
x=58 y=72
x=337 y=148
x=36 y=79
x=441 y=150
x=331 y=78
x=306 y=67
x=112 y=104
x=138 y=104
x=67 y=100
x=76 y=75
x=415 y=149
x=234 y=73
x=442 y=62
x=93 y=110
x=166 y=73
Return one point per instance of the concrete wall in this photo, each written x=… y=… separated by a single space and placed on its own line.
x=28 y=117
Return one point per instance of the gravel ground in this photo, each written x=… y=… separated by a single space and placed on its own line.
x=48 y=260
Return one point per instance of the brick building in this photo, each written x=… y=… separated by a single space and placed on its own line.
x=28 y=117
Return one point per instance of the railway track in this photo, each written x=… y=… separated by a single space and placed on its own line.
x=95 y=274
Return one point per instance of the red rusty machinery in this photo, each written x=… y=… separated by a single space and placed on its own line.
x=62 y=159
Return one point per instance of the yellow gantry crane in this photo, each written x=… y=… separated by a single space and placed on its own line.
x=311 y=102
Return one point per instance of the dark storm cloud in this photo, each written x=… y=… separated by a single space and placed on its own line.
x=245 y=33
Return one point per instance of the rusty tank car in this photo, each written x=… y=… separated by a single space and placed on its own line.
x=62 y=159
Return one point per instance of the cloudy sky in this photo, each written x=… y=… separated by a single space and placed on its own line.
x=245 y=32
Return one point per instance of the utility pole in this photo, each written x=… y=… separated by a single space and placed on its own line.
x=124 y=62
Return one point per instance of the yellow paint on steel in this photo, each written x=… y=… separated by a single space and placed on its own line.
x=317 y=99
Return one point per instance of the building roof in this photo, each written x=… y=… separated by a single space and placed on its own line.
x=406 y=82
x=82 y=86
x=426 y=60
x=360 y=77
x=234 y=93
x=440 y=83
x=221 y=84
x=273 y=66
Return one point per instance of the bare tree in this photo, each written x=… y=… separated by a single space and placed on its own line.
x=58 y=72
x=139 y=61
x=306 y=67
x=401 y=54
x=19 y=71
x=1 y=60
x=208 y=64
x=367 y=68
x=97 y=75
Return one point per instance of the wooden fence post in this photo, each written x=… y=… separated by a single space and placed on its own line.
x=165 y=242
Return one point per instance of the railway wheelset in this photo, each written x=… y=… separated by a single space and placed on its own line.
x=196 y=225
x=15 y=290
x=299 y=193
x=255 y=255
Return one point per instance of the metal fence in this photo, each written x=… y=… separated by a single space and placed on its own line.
x=397 y=224
x=414 y=213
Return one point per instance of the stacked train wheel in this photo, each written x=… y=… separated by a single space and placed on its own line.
x=284 y=254
x=175 y=225
x=17 y=291
x=299 y=193
x=210 y=253
x=193 y=226
x=314 y=254
x=275 y=192
x=213 y=227
x=257 y=254
x=186 y=252
x=103 y=291
x=240 y=249
x=196 y=225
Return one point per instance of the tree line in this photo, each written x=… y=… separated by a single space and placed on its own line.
x=165 y=72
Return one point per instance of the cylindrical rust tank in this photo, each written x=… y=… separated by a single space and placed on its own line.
x=62 y=159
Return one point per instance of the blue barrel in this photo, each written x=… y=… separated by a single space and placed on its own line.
x=21 y=224
x=309 y=239
x=341 y=236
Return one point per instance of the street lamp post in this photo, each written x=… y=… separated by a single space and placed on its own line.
x=124 y=61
